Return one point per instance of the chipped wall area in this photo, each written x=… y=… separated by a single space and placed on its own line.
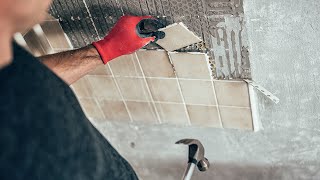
x=219 y=23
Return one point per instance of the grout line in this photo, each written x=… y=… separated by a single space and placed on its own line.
x=93 y=97
x=90 y=16
x=148 y=89
x=191 y=79
x=177 y=103
x=214 y=90
x=134 y=61
x=218 y=109
x=99 y=107
x=119 y=90
x=239 y=107
x=180 y=90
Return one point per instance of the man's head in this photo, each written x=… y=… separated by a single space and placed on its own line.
x=21 y=14
x=16 y=16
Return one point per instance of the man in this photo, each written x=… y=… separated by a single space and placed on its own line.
x=44 y=134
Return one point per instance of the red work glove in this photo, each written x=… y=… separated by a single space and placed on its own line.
x=126 y=37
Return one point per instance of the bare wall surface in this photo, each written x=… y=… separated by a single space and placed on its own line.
x=283 y=39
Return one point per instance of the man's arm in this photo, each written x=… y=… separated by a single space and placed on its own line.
x=72 y=65
x=128 y=35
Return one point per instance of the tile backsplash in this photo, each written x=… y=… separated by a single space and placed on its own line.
x=156 y=87
x=164 y=87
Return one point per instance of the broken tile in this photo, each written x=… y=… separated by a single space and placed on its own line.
x=55 y=35
x=155 y=63
x=205 y=116
x=101 y=70
x=232 y=93
x=142 y=112
x=172 y=113
x=177 y=36
x=165 y=90
x=114 y=110
x=198 y=92
x=126 y=65
x=104 y=87
x=82 y=88
x=91 y=109
x=191 y=65
x=133 y=89
x=236 y=118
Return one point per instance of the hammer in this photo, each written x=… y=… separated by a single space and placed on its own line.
x=196 y=157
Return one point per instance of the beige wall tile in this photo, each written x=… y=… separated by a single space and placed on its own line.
x=232 y=93
x=142 y=112
x=177 y=36
x=91 y=109
x=165 y=90
x=104 y=87
x=55 y=34
x=198 y=92
x=205 y=116
x=126 y=65
x=172 y=113
x=155 y=63
x=114 y=110
x=134 y=89
x=191 y=65
x=101 y=70
x=82 y=88
x=236 y=118
x=38 y=46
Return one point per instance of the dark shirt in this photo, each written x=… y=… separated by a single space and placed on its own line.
x=44 y=134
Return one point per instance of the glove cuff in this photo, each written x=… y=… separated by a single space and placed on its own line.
x=103 y=50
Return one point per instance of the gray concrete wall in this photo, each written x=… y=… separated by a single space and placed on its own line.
x=284 y=37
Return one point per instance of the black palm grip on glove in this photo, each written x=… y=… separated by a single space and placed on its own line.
x=150 y=28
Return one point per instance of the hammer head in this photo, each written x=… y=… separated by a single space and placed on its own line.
x=196 y=153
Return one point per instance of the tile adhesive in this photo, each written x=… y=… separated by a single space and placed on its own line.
x=219 y=23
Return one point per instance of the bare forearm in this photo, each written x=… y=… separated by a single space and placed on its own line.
x=72 y=65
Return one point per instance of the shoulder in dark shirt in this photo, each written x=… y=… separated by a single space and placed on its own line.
x=43 y=132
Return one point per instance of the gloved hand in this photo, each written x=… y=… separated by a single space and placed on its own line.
x=128 y=35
